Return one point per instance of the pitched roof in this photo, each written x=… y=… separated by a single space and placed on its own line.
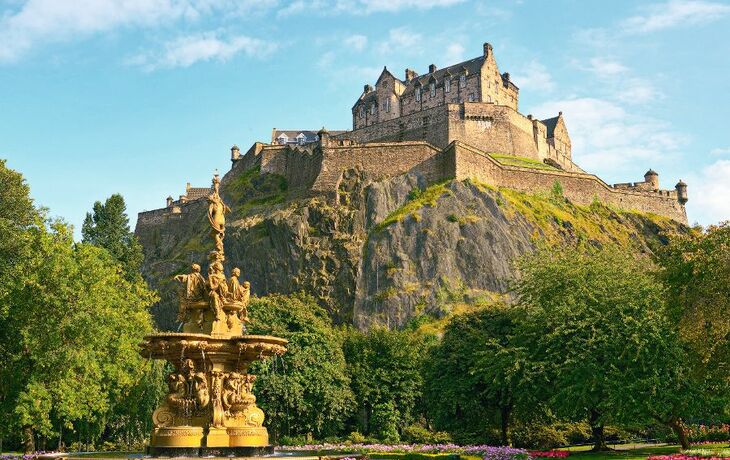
x=551 y=123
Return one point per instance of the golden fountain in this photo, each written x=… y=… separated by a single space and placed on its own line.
x=210 y=409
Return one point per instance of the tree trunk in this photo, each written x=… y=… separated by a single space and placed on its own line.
x=28 y=439
x=505 y=415
x=678 y=428
x=599 y=437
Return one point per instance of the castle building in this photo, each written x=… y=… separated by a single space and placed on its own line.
x=459 y=122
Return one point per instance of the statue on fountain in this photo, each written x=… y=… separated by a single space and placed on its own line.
x=210 y=408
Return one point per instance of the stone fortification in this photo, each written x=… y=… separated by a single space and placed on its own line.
x=458 y=122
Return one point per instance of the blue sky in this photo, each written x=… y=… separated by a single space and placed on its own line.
x=141 y=96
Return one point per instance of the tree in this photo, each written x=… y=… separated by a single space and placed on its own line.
x=696 y=269
x=470 y=379
x=70 y=333
x=108 y=227
x=307 y=390
x=385 y=370
x=595 y=332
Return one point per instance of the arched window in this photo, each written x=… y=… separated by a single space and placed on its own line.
x=418 y=94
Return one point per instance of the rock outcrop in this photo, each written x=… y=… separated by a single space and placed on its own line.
x=387 y=252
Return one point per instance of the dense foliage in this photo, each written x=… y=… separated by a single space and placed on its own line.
x=307 y=391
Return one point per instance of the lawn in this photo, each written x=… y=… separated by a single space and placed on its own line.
x=622 y=452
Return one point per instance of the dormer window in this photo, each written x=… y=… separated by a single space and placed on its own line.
x=462 y=81
x=447 y=85
x=418 y=94
x=432 y=88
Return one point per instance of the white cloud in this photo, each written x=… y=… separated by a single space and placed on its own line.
x=602 y=67
x=187 y=50
x=357 y=42
x=675 y=13
x=534 y=76
x=454 y=53
x=607 y=139
x=720 y=151
x=360 y=6
x=372 y=6
x=401 y=40
x=38 y=22
x=708 y=194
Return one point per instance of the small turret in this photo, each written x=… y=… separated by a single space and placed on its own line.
x=235 y=153
x=652 y=177
x=324 y=136
x=681 y=188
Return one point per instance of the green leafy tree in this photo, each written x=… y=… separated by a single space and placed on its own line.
x=306 y=392
x=696 y=270
x=385 y=370
x=595 y=333
x=471 y=375
x=108 y=227
x=71 y=331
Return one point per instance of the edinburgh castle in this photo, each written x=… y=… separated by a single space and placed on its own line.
x=459 y=122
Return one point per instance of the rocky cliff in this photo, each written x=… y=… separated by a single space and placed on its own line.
x=388 y=251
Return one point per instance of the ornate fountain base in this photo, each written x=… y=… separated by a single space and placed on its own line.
x=210 y=409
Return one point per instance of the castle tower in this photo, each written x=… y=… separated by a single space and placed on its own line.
x=652 y=177
x=235 y=153
x=681 y=189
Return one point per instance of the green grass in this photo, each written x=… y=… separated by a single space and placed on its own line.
x=640 y=453
x=428 y=197
x=523 y=162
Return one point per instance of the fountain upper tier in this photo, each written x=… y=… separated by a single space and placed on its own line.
x=175 y=346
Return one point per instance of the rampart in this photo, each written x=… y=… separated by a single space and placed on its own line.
x=580 y=188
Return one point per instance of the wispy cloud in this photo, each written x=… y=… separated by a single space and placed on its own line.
x=187 y=50
x=534 y=76
x=708 y=193
x=402 y=40
x=454 y=53
x=720 y=151
x=605 y=67
x=360 y=7
x=37 y=22
x=357 y=42
x=675 y=13
x=608 y=139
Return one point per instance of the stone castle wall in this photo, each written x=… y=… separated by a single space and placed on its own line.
x=490 y=127
x=580 y=188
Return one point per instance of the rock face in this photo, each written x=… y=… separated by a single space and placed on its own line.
x=388 y=251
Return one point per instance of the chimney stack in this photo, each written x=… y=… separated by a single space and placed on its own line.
x=432 y=68
x=410 y=75
x=487 y=49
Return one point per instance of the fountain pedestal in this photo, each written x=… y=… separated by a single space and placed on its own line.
x=210 y=409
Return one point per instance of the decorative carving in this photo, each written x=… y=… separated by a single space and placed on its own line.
x=217 y=210
x=191 y=291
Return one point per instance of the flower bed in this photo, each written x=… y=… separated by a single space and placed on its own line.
x=483 y=451
x=549 y=453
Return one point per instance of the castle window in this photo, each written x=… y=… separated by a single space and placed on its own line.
x=432 y=88
x=471 y=97
x=462 y=81
x=386 y=105
x=362 y=112
x=372 y=109
x=418 y=94
x=447 y=85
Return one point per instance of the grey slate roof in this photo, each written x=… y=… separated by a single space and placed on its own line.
x=309 y=136
x=551 y=123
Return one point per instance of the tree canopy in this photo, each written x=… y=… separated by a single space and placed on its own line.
x=108 y=227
